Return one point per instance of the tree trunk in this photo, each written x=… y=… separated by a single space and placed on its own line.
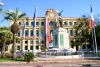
x=3 y=48
x=14 y=47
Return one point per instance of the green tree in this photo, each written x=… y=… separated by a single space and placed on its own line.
x=5 y=38
x=98 y=34
x=14 y=16
x=82 y=31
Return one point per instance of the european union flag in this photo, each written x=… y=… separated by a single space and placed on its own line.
x=34 y=17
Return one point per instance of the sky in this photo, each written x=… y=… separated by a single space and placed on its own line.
x=72 y=8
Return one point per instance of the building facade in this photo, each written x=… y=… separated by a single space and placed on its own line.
x=28 y=43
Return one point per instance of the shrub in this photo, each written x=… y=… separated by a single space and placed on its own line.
x=7 y=55
x=43 y=48
x=29 y=56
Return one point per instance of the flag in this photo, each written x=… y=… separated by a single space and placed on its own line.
x=50 y=38
x=23 y=29
x=92 y=19
x=34 y=17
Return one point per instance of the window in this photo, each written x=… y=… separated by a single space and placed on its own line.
x=19 y=34
x=37 y=32
x=26 y=32
x=37 y=42
x=51 y=23
x=42 y=42
x=18 y=47
x=31 y=47
x=70 y=23
x=18 y=41
x=31 y=41
x=65 y=23
x=37 y=23
x=26 y=47
x=26 y=23
x=42 y=33
x=26 y=42
x=31 y=32
x=74 y=23
x=6 y=48
x=19 y=23
x=42 y=23
x=51 y=31
x=31 y=23
x=37 y=47
x=71 y=33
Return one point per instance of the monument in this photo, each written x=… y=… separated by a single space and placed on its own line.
x=60 y=34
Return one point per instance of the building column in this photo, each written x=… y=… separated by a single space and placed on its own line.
x=39 y=40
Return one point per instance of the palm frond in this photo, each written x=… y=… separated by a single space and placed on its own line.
x=22 y=15
x=16 y=13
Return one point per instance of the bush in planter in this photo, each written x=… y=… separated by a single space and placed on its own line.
x=29 y=56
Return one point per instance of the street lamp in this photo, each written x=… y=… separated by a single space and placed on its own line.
x=1 y=4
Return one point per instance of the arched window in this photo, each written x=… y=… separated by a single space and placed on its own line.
x=74 y=23
x=65 y=23
x=51 y=23
x=32 y=23
x=37 y=23
x=70 y=23
x=26 y=23
x=19 y=23
x=42 y=23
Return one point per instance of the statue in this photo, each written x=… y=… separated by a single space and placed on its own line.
x=59 y=23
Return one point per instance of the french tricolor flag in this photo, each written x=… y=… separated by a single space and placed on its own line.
x=92 y=19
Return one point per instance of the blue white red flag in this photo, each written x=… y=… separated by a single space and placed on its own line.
x=92 y=19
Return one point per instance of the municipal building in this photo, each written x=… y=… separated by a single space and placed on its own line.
x=28 y=43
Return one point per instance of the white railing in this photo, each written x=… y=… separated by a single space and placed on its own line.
x=61 y=56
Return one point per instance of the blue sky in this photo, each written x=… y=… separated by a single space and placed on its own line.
x=72 y=8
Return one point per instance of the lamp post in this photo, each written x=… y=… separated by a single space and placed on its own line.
x=1 y=4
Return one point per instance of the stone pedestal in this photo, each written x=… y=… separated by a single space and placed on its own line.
x=60 y=38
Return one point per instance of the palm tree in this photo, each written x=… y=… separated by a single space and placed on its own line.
x=5 y=39
x=14 y=16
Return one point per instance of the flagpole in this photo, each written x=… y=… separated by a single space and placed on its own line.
x=95 y=40
x=34 y=29
x=34 y=39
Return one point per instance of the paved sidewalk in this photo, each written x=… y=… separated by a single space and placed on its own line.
x=54 y=63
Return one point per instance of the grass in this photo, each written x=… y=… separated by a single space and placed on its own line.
x=10 y=60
